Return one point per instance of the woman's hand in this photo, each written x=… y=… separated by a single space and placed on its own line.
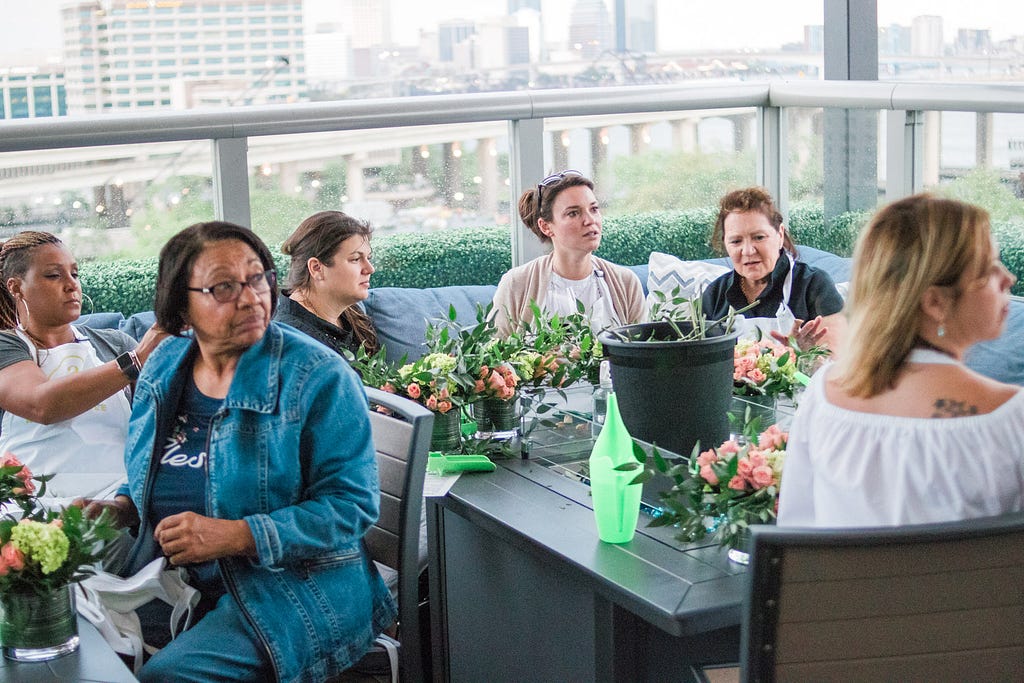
x=122 y=510
x=154 y=335
x=804 y=334
x=187 y=538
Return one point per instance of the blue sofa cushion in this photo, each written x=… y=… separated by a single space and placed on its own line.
x=106 y=320
x=401 y=314
x=136 y=324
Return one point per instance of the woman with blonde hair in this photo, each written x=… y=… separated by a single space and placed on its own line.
x=564 y=213
x=329 y=275
x=898 y=430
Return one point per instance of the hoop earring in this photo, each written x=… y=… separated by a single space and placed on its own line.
x=92 y=306
x=17 y=318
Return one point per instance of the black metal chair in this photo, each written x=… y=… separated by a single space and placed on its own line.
x=936 y=602
x=401 y=437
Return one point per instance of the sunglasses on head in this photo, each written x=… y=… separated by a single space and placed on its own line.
x=554 y=178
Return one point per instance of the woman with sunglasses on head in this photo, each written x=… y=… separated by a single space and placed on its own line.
x=329 y=275
x=250 y=464
x=898 y=430
x=65 y=389
x=563 y=212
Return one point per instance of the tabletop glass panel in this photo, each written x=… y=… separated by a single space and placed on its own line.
x=561 y=438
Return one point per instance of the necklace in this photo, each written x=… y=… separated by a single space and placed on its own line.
x=308 y=305
x=40 y=344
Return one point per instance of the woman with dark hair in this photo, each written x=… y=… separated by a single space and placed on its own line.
x=898 y=430
x=250 y=463
x=329 y=275
x=794 y=299
x=562 y=211
x=65 y=389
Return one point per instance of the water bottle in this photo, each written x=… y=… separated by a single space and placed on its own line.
x=599 y=409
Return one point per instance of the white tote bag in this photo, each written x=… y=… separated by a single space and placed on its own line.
x=109 y=602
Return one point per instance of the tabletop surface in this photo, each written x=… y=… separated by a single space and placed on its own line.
x=93 y=661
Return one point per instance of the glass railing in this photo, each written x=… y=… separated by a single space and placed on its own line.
x=441 y=162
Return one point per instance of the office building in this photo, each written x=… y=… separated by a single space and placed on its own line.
x=641 y=25
x=926 y=36
x=590 y=29
x=450 y=34
x=32 y=92
x=129 y=54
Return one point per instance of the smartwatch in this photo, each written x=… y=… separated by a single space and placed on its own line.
x=129 y=365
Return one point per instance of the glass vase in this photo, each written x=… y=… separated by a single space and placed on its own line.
x=747 y=408
x=446 y=436
x=36 y=627
x=496 y=418
x=740 y=551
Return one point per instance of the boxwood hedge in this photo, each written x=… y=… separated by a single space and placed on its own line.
x=473 y=256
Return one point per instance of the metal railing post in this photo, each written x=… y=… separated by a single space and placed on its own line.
x=772 y=158
x=904 y=153
x=231 y=181
x=526 y=167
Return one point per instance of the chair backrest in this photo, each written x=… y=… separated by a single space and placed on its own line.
x=402 y=441
x=940 y=602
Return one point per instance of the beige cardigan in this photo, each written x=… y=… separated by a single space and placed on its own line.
x=529 y=282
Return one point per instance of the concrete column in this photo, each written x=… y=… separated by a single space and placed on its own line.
x=559 y=150
x=598 y=155
x=451 y=157
x=487 y=159
x=932 y=148
x=355 y=185
x=684 y=135
x=851 y=135
x=639 y=138
x=116 y=206
x=983 y=135
x=288 y=177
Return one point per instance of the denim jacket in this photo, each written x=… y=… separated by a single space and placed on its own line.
x=290 y=453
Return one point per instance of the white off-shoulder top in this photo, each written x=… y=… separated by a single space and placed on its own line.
x=847 y=468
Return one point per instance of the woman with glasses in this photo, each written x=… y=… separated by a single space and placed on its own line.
x=898 y=430
x=563 y=212
x=329 y=275
x=250 y=464
x=795 y=300
x=65 y=389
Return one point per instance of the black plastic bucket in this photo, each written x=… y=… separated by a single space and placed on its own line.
x=671 y=393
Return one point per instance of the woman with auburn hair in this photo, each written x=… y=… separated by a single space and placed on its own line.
x=329 y=275
x=65 y=389
x=562 y=211
x=898 y=430
x=795 y=300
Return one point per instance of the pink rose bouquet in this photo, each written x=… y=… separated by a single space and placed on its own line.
x=721 y=491
x=767 y=368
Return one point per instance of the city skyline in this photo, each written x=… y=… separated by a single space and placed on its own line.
x=681 y=26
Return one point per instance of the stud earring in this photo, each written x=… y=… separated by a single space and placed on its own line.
x=941 y=331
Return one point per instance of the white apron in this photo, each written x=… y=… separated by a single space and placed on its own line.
x=602 y=310
x=760 y=328
x=86 y=452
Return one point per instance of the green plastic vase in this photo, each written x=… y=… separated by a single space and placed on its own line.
x=616 y=500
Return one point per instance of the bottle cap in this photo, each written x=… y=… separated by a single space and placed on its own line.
x=605 y=375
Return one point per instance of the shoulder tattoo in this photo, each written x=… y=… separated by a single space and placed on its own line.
x=947 y=407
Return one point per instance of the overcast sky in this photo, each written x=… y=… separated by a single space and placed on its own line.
x=683 y=24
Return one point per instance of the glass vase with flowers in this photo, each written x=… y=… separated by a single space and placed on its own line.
x=42 y=553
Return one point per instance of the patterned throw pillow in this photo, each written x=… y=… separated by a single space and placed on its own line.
x=666 y=273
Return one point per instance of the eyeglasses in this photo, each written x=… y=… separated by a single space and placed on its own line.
x=554 y=178
x=229 y=290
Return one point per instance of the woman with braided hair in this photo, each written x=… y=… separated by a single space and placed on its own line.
x=64 y=389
